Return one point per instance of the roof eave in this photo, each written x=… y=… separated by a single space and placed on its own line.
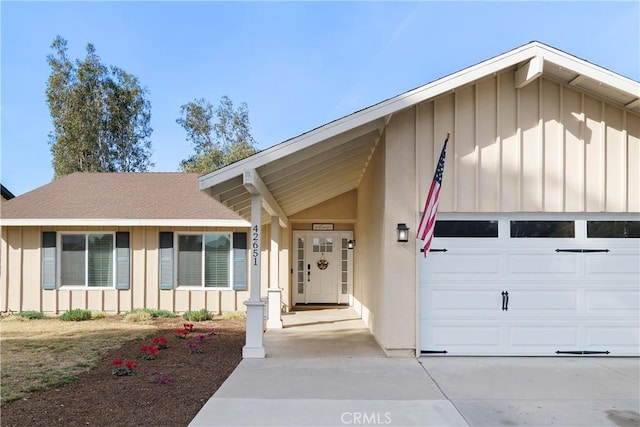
x=441 y=86
x=126 y=222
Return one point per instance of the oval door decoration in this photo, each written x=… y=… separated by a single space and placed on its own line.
x=322 y=263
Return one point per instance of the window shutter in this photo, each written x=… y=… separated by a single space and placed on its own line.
x=239 y=261
x=123 y=265
x=166 y=260
x=48 y=260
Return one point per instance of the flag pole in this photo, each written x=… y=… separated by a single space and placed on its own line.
x=428 y=219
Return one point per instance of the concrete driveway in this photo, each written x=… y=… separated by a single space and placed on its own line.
x=326 y=369
x=523 y=391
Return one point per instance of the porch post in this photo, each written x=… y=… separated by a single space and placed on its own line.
x=254 y=346
x=274 y=320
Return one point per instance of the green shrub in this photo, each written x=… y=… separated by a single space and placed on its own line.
x=197 y=316
x=76 y=315
x=163 y=313
x=32 y=315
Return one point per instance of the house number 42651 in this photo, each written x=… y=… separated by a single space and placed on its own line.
x=254 y=245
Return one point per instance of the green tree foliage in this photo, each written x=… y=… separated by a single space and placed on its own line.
x=100 y=115
x=219 y=136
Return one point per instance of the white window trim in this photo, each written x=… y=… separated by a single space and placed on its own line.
x=86 y=286
x=176 y=262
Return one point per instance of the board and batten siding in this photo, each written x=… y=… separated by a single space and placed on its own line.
x=546 y=147
x=21 y=287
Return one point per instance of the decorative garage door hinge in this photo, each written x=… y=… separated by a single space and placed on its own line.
x=582 y=251
x=584 y=352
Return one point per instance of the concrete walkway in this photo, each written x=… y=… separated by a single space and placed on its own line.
x=325 y=369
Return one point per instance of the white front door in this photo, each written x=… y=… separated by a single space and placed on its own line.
x=323 y=268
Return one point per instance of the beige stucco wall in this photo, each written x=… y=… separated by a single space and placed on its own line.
x=399 y=259
x=342 y=209
x=20 y=282
x=369 y=235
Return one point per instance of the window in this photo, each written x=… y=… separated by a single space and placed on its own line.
x=448 y=228
x=93 y=260
x=323 y=244
x=543 y=229
x=204 y=260
x=613 y=229
x=87 y=260
x=300 y=268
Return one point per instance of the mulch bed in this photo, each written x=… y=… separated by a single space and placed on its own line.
x=98 y=398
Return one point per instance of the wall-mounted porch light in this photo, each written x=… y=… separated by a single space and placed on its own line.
x=403 y=232
x=351 y=244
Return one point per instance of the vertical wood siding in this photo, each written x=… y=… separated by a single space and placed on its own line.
x=21 y=288
x=543 y=148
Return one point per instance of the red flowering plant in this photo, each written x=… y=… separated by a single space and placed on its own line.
x=188 y=326
x=149 y=352
x=161 y=343
x=212 y=331
x=120 y=368
x=182 y=333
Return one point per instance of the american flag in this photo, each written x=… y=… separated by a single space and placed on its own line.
x=428 y=219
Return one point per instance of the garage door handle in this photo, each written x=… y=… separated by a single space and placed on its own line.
x=506 y=302
x=503 y=301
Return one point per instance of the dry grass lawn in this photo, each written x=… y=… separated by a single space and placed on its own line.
x=60 y=374
x=36 y=354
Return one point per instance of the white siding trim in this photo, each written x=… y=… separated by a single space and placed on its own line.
x=53 y=222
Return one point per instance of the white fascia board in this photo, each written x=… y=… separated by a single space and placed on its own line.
x=377 y=111
x=254 y=185
x=431 y=90
x=127 y=222
x=592 y=71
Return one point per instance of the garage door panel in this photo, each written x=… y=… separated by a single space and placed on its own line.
x=542 y=264
x=452 y=336
x=613 y=300
x=464 y=264
x=612 y=265
x=541 y=337
x=449 y=301
x=521 y=301
x=622 y=340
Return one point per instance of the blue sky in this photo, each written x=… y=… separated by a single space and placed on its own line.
x=297 y=65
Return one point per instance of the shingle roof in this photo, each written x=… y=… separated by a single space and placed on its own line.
x=6 y=194
x=108 y=196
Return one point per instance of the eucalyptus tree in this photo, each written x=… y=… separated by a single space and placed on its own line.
x=219 y=136
x=100 y=114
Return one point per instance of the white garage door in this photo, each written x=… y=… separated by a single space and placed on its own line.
x=531 y=286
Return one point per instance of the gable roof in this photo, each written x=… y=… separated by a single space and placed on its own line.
x=6 y=194
x=291 y=171
x=119 y=199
